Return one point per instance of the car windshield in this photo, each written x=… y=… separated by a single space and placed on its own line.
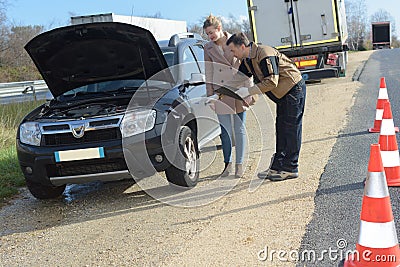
x=122 y=86
x=112 y=88
x=104 y=87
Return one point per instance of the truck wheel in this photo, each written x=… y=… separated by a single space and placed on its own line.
x=44 y=191
x=185 y=170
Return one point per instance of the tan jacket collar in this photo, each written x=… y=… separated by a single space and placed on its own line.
x=253 y=50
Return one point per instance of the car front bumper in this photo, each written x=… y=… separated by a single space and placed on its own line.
x=40 y=164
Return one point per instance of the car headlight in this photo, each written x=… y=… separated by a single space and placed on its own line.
x=29 y=133
x=137 y=121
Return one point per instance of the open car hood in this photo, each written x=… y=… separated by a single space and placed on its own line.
x=77 y=55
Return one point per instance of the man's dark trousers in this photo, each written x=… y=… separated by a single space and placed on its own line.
x=289 y=116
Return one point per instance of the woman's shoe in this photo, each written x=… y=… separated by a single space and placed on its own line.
x=227 y=170
x=239 y=171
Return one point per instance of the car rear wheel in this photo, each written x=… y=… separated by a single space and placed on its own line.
x=44 y=191
x=185 y=170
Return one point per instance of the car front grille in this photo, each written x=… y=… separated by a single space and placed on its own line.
x=71 y=169
x=89 y=137
x=62 y=133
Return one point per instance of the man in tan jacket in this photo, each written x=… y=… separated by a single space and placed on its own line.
x=278 y=77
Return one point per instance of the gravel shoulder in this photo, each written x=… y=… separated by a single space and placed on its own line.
x=226 y=221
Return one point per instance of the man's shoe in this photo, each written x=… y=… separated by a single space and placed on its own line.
x=281 y=175
x=266 y=173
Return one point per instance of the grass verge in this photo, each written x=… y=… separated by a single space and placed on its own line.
x=11 y=177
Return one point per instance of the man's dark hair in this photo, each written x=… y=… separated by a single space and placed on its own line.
x=238 y=39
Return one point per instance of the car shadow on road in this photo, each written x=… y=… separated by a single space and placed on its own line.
x=98 y=200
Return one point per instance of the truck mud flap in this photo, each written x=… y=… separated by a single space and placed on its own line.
x=317 y=74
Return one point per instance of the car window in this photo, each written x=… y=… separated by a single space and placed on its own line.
x=190 y=65
x=169 y=57
x=199 y=51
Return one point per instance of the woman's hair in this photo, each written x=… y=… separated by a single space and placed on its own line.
x=212 y=20
x=238 y=39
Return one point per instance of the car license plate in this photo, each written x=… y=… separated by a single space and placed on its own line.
x=79 y=154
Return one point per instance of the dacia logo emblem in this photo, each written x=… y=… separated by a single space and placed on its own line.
x=78 y=130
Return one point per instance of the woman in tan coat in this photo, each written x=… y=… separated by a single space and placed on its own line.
x=221 y=65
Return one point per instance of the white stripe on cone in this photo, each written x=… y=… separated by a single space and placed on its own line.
x=387 y=127
x=379 y=114
x=390 y=158
x=383 y=94
x=377 y=235
x=376 y=187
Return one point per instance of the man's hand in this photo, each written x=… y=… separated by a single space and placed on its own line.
x=243 y=92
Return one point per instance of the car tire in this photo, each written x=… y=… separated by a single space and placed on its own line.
x=185 y=170
x=41 y=191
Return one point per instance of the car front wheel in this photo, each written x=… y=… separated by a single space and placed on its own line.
x=185 y=170
x=44 y=191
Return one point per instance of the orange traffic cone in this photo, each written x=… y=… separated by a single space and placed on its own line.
x=377 y=241
x=389 y=148
x=382 y=98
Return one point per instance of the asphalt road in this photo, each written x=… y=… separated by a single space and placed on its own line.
x=336 y=218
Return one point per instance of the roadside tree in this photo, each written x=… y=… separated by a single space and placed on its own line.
x=15 y=64
x=356 y=14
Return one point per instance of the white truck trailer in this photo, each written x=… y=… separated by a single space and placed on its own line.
x=162 y=29
x=312 y=33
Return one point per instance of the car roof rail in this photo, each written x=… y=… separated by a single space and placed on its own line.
x=176 y=38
